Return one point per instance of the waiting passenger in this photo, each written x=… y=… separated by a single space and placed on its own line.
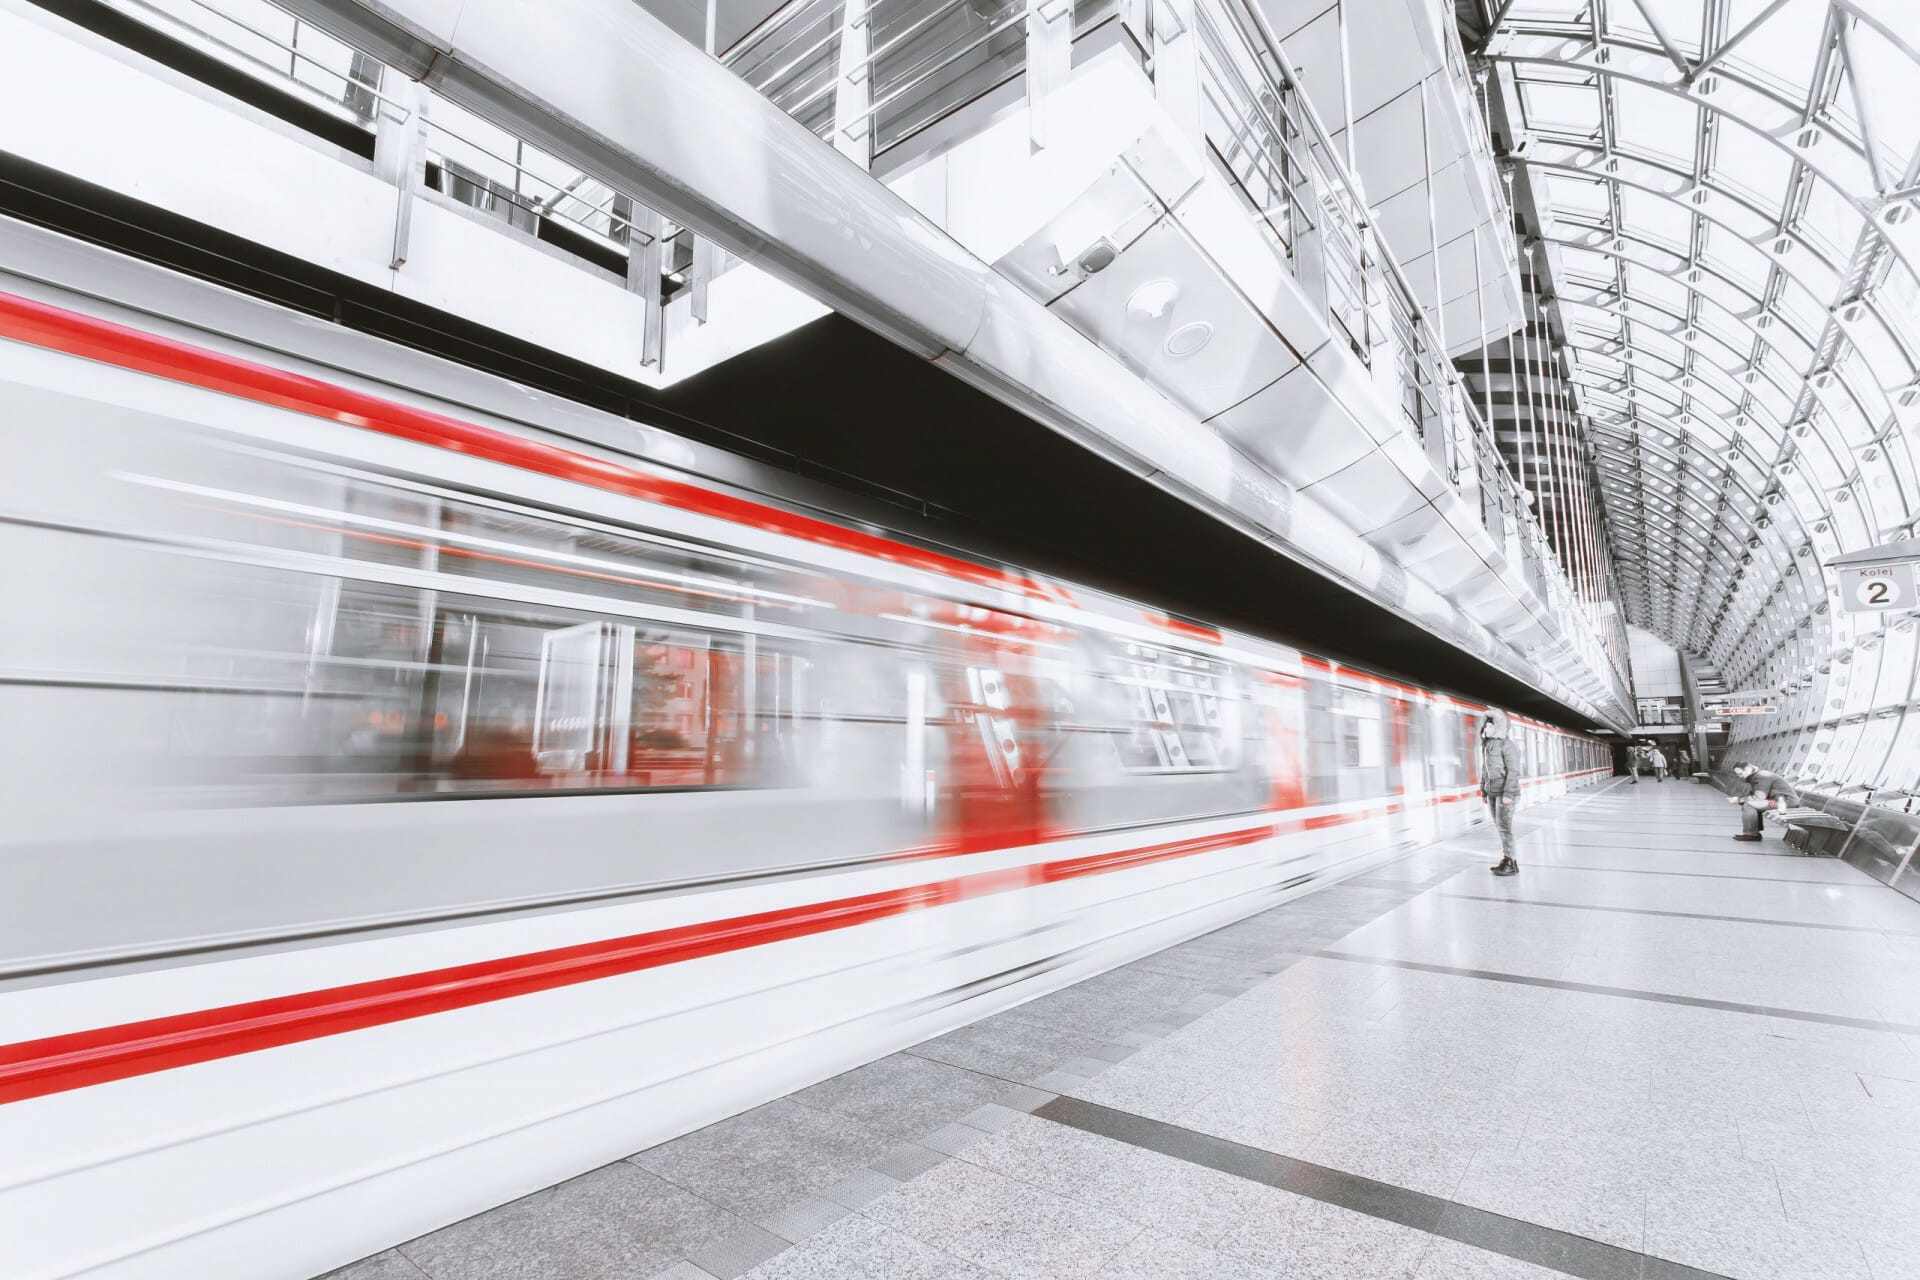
x=1633 y=762
x=1500 y=774
x=1659 y=763
x=1759 y=792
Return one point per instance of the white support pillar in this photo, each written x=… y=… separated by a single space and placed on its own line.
x=1346 y=86
x=706 y=261
x=853 y=87
x=400 y=153
x=1176 y=66
x=1433 y=221
x=1049 y=61
x=644 y=248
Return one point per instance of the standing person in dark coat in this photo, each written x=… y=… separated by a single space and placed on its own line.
x=1500 y=777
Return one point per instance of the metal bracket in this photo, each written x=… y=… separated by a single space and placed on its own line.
x=400 y=157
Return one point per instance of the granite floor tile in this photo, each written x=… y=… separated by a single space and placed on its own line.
x=1584 y=1190
x=860 y=1188
x=391 y=1265
x=1174 y=1197
x=1404 y=1155
x=1892 y=1262
x=732 y=1256
x=763 y=1160
x=1051 y=1156
x=1165 y=1256
x=1749 y=1249
x=684 y=1270
x=1139 y=1091
x=801 y=1219
x=858 y=1248
x=1007 y=1048
x=1037 y=1235
x=614 y=1223
x=908 y=1160
x=1853 y=1207
x=1267 y=1123
x=902 y=1096
x=1450 y=1260
x=1005 y=1225
x=1318 y=1241
x=945 y=1203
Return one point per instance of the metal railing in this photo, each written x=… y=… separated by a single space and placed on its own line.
x=273 y=45
x=467 y=159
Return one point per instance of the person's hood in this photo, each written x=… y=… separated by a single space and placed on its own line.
x=1495 y=725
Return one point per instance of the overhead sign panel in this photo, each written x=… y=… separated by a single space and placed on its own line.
x=1877 y=579
x=1876 y=588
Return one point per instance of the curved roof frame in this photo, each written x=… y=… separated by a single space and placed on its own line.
x=1610 y=241
x=1802 y=249
x=1590 y=46
x=1669 y=385
x=1686 y=321
x=1591 y=373
x=1840 y=229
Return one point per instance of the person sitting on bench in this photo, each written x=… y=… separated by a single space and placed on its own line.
x=1761 y=790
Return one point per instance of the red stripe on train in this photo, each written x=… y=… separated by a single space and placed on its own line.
x=57 y=1064
x=92 y=338
x=78 y=1060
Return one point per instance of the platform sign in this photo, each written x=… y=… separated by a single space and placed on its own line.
x=1875 y=588
x=1718 y=710
x=1877 y=579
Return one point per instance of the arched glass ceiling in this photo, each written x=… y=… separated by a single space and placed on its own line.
x=1727 y=195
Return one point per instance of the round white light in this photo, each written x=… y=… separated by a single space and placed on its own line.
x=1152 y=300
x=1189 y=338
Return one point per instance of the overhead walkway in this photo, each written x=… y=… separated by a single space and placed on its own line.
x=1655 y=1053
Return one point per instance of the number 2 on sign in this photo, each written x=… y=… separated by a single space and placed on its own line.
x=1878 y=592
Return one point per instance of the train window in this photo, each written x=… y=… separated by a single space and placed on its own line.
x=1417 y=716
x=517 y=702
x=1346 y=742
x=1448 y=766
x=1183 y=712
x=1323 y=760
x=1358 y=716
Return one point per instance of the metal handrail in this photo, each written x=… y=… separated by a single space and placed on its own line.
x=799 y=60
x=149 y=11
x=762 y=29
x=551 y=206
x=1016 y=17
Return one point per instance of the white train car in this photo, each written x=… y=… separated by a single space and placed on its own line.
x=419 y=791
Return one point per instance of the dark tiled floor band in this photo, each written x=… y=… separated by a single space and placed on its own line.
x=1541 y=1246
x=1681 y=915
x=1680 y=844
x=1629 y=993
x=1700 y=875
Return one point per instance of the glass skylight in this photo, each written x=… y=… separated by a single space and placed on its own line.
x=1729 y=196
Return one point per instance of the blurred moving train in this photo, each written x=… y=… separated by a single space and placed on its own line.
x=418 y=791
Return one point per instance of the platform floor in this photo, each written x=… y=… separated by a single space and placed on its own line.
x=1656 y=1053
